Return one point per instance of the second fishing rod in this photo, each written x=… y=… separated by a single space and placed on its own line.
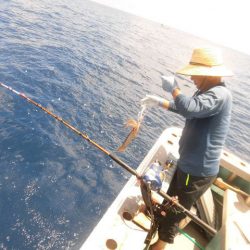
x=205 y=226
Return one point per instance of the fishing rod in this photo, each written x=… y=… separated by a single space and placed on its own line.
x=78 y=132
x=208 y=228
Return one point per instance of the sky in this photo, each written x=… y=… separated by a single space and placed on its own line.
x=225 y=22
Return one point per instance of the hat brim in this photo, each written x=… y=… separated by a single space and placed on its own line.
x=199 y=70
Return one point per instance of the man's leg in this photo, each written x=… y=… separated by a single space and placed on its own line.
x=188 y=189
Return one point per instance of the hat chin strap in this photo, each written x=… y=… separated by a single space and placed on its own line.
x=205 y=84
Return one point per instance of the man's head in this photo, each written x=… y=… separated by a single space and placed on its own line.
x=206 y=68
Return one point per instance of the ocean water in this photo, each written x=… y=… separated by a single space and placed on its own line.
x=91 y=65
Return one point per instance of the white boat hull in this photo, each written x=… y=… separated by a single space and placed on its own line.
x=115 y=232
x=113 y=226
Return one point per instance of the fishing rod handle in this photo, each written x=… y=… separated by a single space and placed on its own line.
x=197 y=220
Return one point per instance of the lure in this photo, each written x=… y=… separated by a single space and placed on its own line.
x=135 y=125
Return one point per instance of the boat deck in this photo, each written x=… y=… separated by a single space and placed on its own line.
x=115 y=232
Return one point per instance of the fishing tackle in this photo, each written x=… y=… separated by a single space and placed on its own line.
x=208 y=228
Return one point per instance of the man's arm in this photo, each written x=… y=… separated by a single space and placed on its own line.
x=200 y=106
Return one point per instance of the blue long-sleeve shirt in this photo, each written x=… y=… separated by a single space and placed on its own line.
x=207 y=122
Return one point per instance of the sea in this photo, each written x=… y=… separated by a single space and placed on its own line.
x=91 y=65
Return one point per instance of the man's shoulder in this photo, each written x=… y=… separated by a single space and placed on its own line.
x=221 y=91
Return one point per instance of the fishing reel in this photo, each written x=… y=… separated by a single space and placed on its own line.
x=152 y=180
x=156 y=174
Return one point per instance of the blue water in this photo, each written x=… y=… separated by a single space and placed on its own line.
x=91 y=65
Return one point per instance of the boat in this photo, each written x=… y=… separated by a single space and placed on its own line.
x=127 y=225
x=224 y=207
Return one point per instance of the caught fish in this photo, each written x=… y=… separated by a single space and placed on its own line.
x=135 y=125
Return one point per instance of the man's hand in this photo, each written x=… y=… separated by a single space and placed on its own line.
x=169 y=83
x=153 y=101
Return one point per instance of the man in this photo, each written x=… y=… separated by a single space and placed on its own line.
x=207 y=115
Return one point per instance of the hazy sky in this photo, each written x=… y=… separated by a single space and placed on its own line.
x=222 y=21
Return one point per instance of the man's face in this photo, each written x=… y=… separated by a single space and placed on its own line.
x=199 y=81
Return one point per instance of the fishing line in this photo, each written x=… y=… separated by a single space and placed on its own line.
x=208 y=228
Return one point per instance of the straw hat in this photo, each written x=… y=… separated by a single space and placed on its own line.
x=206 y=62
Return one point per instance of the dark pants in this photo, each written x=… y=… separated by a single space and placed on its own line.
x=188 y=189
